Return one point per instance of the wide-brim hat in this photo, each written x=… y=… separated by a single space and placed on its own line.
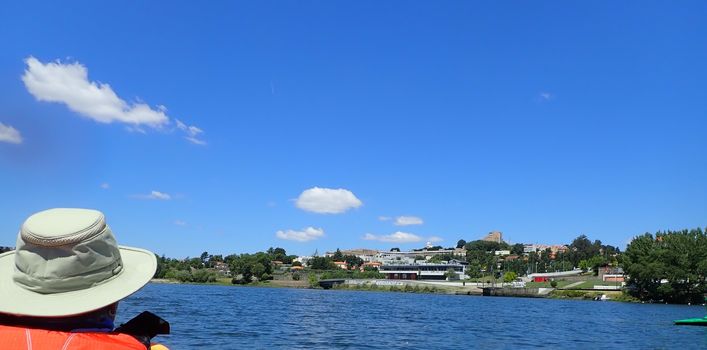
x=67 y=262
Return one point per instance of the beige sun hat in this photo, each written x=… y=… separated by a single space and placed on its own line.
x=67 y=262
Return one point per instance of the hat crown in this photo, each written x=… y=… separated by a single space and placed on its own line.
x=62 y=226
x=63 y=250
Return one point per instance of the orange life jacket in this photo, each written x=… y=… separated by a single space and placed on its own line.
x=40 y=339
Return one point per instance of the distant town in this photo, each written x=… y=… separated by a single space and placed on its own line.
x=466 y=268
x=668 y=266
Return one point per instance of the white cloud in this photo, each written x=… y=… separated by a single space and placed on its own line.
x=180 y=223
x=408 y=220
x=105 y=186
x=397 y=237
x=68 y=83
x=159 y=195
x=192 y=133
x=154 y=195
x=546 y=96
x=384 y=218
x=307 y=234
x=327 y=200
x=9 y=134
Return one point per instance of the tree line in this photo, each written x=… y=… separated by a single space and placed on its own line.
x=244 y=268
x=670 y=266
x=247 y=268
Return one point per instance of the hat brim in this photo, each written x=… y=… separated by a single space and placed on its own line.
x=139 y=266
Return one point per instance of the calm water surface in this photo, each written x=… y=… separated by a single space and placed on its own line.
x=223 y=317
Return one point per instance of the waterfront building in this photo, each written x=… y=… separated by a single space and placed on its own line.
x=612 y=274
x=424 y=270
x=425 y=253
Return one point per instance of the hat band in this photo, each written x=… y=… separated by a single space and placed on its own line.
x=53 y=285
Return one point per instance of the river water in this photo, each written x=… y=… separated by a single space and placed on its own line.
x=223 y=317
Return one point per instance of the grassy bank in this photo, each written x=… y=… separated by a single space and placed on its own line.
x=402 y=289
x=591 y=295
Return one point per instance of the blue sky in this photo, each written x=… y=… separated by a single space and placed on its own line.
x=317 y=124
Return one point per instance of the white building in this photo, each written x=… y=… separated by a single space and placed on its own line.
x=424 y=270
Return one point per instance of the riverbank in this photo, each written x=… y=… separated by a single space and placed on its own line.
x=431 y=287
x=227 y=282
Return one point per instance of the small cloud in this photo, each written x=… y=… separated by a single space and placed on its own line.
x=327 y=200
x=154 y=195
x=180 y=223
x=192 y=133
x=159 y=195
x=384 y=218
x=305 y=235
x=397 y=237
x=546 y=96
x=105 y=186
x=408 y=220
x=9 y=134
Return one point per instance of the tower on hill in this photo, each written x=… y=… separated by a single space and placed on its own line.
x=494 y=236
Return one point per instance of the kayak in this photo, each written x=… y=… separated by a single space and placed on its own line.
x=692 y=322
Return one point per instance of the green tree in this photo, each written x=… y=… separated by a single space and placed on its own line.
x=451 y=274
x=321 y=263
x=517 y=249
x=258 y=269
x=509 y=276
x=441 y=257
x=338 y=256
x=352 y=261
x=461 y=243
x=670 y=267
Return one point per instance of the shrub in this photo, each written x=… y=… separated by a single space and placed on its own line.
x=313 y=281
x=553 y=284
x=183 y=276
x=204 y=276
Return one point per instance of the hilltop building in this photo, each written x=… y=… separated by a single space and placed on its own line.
x=494 y=236
x=366 y=255
x=371 y=255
